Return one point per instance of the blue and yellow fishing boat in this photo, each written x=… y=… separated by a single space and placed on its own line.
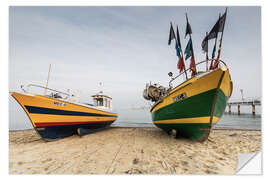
x=59 y=114
x=191 y=108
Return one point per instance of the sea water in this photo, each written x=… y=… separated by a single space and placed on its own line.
x=142 y=118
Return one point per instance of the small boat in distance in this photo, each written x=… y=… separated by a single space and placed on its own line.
x=60 y=114
x=192 y=107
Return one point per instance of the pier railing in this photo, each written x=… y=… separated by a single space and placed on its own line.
x=246 y=101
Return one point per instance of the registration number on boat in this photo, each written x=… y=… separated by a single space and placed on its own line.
x=180 y=97
x=59 y=103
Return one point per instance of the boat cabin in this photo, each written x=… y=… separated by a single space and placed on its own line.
x=101 y=100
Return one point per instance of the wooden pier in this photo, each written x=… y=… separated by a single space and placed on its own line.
x=248 y=102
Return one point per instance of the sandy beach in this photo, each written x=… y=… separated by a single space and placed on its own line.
x=129 y=151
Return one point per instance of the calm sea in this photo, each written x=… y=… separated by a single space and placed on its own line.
x=138 y=118
x=18 y=120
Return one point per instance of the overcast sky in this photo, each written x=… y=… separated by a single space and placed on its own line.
x=125 y=47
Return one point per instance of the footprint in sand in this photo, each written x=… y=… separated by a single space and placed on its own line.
x=46 y=160
x=20 y=163
x=184 y=163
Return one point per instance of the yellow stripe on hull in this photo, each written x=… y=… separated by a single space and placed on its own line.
x=197 y=120
x=47 y=118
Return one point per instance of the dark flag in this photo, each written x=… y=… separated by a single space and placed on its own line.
x=206 y=48
x=178 y=38
x=221 y=28
x=222 y=21
x=171 y=35
x=205 y=44
x=188 y=27
x=218 y=27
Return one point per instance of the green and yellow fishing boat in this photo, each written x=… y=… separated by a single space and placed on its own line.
x=191 y=108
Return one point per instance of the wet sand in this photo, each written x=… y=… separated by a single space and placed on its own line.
x=129 y=151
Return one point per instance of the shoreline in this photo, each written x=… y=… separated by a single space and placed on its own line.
x=132 y=150
x=118 y=126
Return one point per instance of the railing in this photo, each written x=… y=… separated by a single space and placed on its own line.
x=247 y=101
x=34 y=85
x=173 y=78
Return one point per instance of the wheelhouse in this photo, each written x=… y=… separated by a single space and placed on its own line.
x=101 y=100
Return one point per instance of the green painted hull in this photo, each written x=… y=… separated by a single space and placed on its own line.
x=196 y=106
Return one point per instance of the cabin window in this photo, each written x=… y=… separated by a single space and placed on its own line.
x=95 y=102
x=98 y=102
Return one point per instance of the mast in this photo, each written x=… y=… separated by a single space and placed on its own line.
x=207 y=58
x=47 y=80
x=220 y=41
x=192 y=52
x=182 y=59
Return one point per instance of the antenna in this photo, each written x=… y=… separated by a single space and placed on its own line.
x=100 y=83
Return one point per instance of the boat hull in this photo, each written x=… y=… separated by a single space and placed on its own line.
x=192 y=108
x=54 y=119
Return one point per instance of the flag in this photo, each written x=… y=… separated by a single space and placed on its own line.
x=206 y=48
x=188 y=27
x=192 y=67
x=177 y=48
x=178 y=38
x=218 y=27
x=171 y=35
x=188 y=50
x=213 y=56
x=180 y=64
x=222 y=21
x=221 y=28
x=205 y=44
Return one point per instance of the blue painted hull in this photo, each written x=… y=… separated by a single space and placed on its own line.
x=50 y=133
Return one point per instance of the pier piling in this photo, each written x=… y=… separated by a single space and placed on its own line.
x=230 y=110
x=253 y=109
x=238 y=109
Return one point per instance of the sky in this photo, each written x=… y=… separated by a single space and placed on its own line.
x=125 y=47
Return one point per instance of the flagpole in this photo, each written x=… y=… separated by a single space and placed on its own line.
x=182 y=55
x=191 y=45
x=207 y=53
x=213 y=57
x=220 y=41
x=184 y=63
x=47 y=80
